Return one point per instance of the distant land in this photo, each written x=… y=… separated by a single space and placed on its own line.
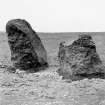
x=66 y=33
x=69 y=33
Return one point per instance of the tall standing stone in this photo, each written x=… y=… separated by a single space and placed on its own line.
x=80 y=59
x=27 y=50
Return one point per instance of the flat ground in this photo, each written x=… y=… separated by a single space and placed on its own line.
x=47 y=87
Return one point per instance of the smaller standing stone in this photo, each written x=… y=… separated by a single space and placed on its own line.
x=80 y=59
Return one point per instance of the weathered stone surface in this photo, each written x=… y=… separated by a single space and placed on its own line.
x=80 y=59
x=27 y=50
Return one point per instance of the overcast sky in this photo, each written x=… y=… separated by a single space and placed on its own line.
x=56 y=15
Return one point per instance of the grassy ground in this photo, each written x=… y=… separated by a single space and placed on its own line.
x=47 y=87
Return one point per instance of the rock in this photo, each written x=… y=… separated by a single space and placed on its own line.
x=80 y=59
x=27 y=50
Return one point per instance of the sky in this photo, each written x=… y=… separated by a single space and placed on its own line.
x=56 y=15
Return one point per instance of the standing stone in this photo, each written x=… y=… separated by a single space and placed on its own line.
x=27 y=50
x=80 y=59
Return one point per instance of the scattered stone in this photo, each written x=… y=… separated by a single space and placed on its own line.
x=27 y=50
x=11 y=69
x=19 y=71
x=80 y=59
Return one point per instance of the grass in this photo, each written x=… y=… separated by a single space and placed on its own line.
x=47 y=87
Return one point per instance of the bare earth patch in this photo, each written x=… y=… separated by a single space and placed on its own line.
x=48 y=88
